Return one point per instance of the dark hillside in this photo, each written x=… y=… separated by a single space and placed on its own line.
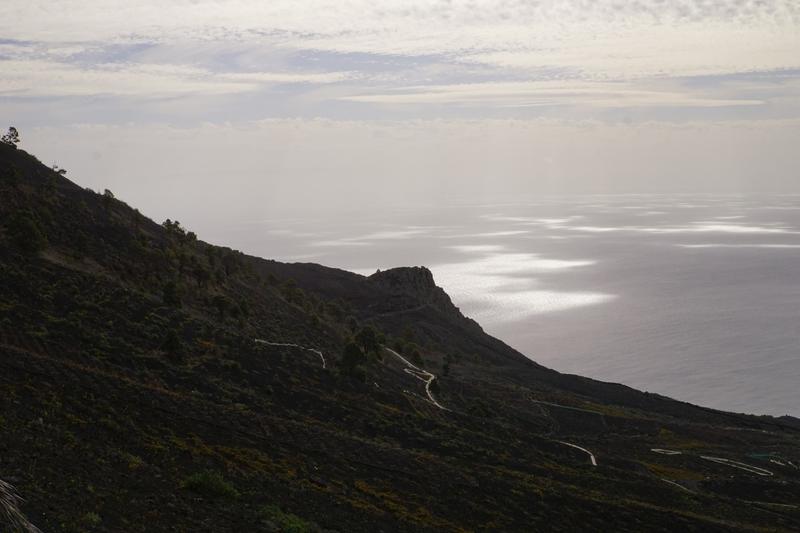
x=153 y=382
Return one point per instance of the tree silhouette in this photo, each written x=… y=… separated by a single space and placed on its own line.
x=352 y=361
x=11 y=138
x=367 y=338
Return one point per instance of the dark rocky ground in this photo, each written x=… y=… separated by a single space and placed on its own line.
x=134 y=398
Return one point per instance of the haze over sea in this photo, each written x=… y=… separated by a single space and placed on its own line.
x=694 y=297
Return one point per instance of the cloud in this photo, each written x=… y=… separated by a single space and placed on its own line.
x=358 y=58
x=39 y=78
x=50 y=78
x=551 y=93
x=600 y=38
x=743 y=246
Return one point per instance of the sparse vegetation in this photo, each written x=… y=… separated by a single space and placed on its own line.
x=135 y=398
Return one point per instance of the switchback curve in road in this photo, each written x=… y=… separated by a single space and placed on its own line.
x=291 y=345
x=421 y=374
x=584 y=450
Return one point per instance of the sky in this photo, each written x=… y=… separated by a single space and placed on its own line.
x=211 y=110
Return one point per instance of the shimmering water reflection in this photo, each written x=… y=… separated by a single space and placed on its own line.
x=695 y=298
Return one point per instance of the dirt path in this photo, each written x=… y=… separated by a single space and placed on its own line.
x=290 y=345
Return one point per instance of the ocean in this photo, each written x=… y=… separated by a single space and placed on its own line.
x=694 y=297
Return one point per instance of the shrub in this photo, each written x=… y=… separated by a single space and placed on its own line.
x=210 y=483
x=134 y=461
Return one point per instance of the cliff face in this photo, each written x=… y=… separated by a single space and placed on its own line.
x=415 y=280
x=135 y=398
x=416 y=283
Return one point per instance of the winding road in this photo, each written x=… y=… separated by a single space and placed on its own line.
x=677 y=485
x=290 y=345
x=419 y=373
x=584 y=450
x=721 y=460
x=665 y=452
x=412 y=369
x=554 y=428
x=736 y=464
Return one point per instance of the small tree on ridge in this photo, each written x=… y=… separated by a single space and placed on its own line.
x=11 y=138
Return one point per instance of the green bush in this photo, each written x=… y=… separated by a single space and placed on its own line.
x=210 y=483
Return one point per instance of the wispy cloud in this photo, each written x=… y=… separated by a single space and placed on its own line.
x=743 y=246
x=511 y=54
x=552 y=93
x=514 y=32
x=50 y=78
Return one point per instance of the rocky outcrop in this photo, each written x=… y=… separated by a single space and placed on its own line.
x=414 y=286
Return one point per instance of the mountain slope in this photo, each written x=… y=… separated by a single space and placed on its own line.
x=136 y=398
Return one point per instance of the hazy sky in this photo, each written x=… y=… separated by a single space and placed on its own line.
x=229 y=110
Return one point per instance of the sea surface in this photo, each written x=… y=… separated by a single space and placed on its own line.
x=694 y=297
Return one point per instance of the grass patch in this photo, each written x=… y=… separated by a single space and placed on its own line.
x=287 y=522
